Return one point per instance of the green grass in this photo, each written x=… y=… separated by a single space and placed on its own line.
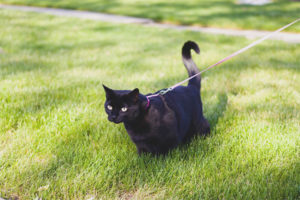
x=212 y=13
x=56 y=143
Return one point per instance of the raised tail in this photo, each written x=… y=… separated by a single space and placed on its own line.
x=189 y=63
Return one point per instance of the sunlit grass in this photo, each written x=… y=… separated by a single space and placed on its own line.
x=56 y=143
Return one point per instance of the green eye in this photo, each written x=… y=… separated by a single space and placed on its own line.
x=124 y=109
x=109 y=107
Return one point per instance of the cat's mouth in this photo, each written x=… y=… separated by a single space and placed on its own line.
x=114 y=120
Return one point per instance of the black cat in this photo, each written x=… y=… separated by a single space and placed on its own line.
x=165 y=121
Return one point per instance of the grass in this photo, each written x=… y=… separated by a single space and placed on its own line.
x=56 y=143
x=213 y=13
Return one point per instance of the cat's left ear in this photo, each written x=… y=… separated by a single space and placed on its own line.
x=134 y=94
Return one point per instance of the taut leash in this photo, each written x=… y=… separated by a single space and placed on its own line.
x=162 y=92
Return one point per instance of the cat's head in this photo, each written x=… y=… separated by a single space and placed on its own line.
x=122 y=105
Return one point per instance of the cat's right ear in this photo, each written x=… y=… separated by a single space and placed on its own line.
x=109 y=92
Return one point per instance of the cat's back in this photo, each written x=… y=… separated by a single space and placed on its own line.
x=183 y=96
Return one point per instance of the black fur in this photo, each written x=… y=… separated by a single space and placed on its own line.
x=170 y=120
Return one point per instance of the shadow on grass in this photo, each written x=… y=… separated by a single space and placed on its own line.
x=216 y=111
x=161 y=11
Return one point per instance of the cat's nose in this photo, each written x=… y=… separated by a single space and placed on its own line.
x=114 y=117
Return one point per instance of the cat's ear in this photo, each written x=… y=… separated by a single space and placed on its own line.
x=109 y=92
x=134 y=94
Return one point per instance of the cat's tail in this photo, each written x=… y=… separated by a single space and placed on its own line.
x=189 y=63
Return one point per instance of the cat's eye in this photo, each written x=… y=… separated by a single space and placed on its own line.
x=124 y=109
x=109 y=107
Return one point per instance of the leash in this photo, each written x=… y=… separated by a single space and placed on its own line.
x=164 y=91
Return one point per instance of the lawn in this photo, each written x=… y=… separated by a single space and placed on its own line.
x=56 y=142
x=213 y=13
